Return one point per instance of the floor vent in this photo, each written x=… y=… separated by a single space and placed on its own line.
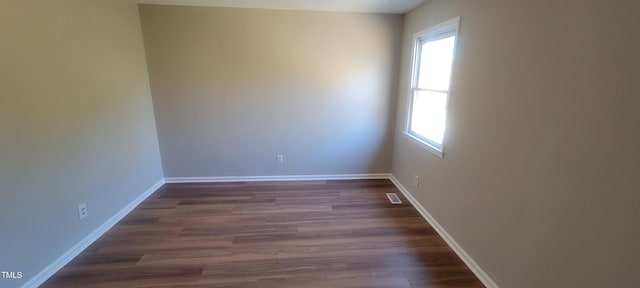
x=393 y=197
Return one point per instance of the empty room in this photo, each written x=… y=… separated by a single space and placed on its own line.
x=303 y=143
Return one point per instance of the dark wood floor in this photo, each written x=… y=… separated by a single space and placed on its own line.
x=269 y=234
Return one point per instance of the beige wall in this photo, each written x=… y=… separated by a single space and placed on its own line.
x=540 y=182
x=76 y=121
x=232 y=88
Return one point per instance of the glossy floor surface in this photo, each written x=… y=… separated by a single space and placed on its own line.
x=270 y=234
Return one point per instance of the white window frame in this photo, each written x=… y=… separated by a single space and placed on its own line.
x=440 y=31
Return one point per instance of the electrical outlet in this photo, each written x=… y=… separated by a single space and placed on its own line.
x=82 y=211
x=279 y=159
x=416 y=180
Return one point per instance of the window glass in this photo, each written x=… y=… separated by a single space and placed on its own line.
x=432 y=68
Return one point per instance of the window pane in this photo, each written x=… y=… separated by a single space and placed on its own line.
x=428 y=115
x=435 y=64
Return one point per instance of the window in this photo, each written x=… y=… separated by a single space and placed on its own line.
x=434 y=52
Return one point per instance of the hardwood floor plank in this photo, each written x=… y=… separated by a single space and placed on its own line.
x=338 y=233
x=123 y=277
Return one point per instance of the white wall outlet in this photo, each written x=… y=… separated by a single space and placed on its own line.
x=82 y=211
x=416 y=180
x=279 y=159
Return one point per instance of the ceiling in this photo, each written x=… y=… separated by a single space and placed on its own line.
x=360 y=6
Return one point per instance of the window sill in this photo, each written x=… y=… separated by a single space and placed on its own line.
x=424 y=145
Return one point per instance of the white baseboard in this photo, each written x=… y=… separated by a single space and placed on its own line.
x=52 y=268
x=475 y=268
x=48 y=271
x=276 y=178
